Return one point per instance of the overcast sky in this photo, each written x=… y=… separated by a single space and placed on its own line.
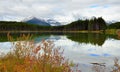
x=61 y=10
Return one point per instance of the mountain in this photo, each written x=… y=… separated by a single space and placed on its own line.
x=111 y=22
x=53 y=22
x=44 y=22
x=34 y=20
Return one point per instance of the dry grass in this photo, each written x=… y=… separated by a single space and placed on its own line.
x=26 y=56
x=116 y=67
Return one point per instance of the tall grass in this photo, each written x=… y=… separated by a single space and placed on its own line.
x=26 y=56
x=116 y=67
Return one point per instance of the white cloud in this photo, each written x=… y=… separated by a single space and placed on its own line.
x=62 y=10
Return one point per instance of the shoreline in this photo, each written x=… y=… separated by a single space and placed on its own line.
x=107 y=31
x=52 y=31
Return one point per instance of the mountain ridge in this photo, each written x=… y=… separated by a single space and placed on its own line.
x=40 y=21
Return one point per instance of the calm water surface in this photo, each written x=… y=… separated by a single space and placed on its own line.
x=81 y=48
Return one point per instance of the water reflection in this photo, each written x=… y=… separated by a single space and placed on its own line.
x=93 y=38
x=83 y=49
x=85 y=54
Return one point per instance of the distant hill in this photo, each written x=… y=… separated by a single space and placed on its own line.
x=43 y=22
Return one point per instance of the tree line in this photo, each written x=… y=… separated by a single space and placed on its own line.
x=88 y=24
x=93 y=24
x=115 y=25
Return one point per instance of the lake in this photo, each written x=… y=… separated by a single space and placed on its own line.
x=81 y=48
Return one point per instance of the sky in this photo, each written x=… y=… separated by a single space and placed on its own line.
x=60 y=10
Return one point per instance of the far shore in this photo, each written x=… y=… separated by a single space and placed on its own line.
x=52 y=31
x=108 y=31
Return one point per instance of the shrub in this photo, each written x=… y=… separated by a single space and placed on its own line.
x=26 y=56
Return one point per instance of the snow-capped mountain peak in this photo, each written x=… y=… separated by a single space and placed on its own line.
x=34 y=20
x=42 y=21
x=53 y=22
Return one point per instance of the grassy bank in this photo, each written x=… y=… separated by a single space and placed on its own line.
x=111 y=31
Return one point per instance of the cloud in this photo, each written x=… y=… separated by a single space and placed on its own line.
x=61 y=10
